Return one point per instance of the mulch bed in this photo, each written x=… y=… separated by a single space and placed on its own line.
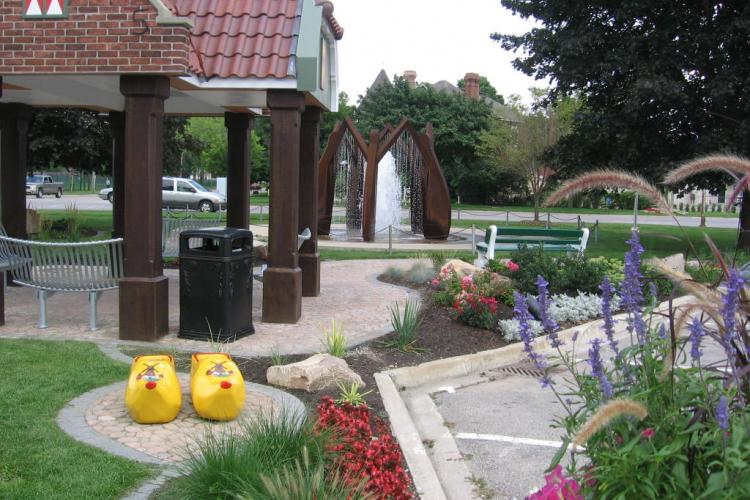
x=439 y=336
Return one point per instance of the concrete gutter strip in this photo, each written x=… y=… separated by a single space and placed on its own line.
x=425 y=479
x=449 y=463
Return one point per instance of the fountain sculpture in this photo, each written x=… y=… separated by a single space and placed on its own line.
x=406 y=178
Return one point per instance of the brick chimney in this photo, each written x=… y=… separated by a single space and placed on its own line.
x=471 y=85
x=411 y=78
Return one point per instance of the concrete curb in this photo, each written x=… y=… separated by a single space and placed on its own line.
x=458 y=366
x=72 y=420
x=423 y=473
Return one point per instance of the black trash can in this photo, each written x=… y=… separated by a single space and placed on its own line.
x=216 y=284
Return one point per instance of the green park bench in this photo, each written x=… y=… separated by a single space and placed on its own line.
x=549 y=240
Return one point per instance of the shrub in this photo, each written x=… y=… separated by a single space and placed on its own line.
x=231 y=462
x=420 y=273
x=394 y=273
x=334 y=340
x=472 y=306
x=565 y=273
x=364 y=449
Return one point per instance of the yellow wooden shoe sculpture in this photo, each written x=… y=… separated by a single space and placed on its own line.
x=217 y=386
x=153 y=394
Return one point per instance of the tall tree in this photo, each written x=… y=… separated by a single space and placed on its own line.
x=71 y=139
x=521 y=149
x=457 y=122
x=212 y=156
x=661 y=80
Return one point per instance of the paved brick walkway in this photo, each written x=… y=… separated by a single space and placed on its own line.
x=350 y=293
x=170 y=442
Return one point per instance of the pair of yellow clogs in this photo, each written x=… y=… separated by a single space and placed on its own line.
x=153 y=394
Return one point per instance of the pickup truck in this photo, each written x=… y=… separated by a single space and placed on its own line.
x=40 y=185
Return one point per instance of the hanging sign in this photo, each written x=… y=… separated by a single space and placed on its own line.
x=45 y=9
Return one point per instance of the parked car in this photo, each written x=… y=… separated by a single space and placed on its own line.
x=177 y=192
x=40 y=185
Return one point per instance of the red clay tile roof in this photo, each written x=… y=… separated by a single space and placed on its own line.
x=246 y=38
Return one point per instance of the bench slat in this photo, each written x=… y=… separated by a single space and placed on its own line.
x=534 y=231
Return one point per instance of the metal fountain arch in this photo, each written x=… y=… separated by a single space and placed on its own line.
x=348 y=170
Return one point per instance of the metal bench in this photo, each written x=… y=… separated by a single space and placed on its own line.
x=8 y=260
x=172 y=227
x=91 y=267
x=549 y=240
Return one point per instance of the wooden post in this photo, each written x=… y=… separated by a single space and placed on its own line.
x=371 y=188
x=14 y=127
x=144 y=306
x=282 y=281
x=238 y=169
x=117 y=126
x=309 y=258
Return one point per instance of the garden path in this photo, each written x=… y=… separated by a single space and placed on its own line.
x=350 y=293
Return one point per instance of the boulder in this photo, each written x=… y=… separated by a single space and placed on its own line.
x=316 y=373
x=462 y=268
x=675 y=262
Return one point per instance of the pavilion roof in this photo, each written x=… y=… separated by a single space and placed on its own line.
x=246 y=38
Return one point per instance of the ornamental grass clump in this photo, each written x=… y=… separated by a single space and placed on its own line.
x=653 y=417
x=405 y=326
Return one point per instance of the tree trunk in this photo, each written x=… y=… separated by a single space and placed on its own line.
x=536 y=208
x=743 y=240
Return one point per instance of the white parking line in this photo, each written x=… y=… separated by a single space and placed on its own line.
x=508 y=439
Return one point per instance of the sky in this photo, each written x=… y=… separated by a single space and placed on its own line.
x=439 y=39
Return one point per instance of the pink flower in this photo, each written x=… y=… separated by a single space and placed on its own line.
x=466 y=282
x=512 y=266
x=648 y=433
x=435 y=282
x=558 y=487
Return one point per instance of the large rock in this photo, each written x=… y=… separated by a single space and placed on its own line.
x=675 y=262
x=316 y=373
x=462 y=268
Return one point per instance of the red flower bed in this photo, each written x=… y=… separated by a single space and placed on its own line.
x=365 y=449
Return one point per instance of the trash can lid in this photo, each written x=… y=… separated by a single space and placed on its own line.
x=228 y=233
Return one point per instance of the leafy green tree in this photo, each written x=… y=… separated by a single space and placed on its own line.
x=212 y=156
x=661 y=80
x=457 y=121
x=485 y=89
x=521 y=149
x=73 y=139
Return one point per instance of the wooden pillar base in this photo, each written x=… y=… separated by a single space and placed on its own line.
x=282 y=295
x=310 y=265
x=144 y=308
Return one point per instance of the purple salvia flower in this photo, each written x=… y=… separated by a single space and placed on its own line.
x=661 y=331
x=731 y=301
x=609 y=322
x=632 y=290
x=522 y=315
x=597 y=369
x=548 y=322
x=722 y=413
x=697 y=332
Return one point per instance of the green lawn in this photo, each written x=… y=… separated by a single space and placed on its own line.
x=565 y=210
x=658 y=241
x=37 y=459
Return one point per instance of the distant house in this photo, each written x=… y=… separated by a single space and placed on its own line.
x=471 y=89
